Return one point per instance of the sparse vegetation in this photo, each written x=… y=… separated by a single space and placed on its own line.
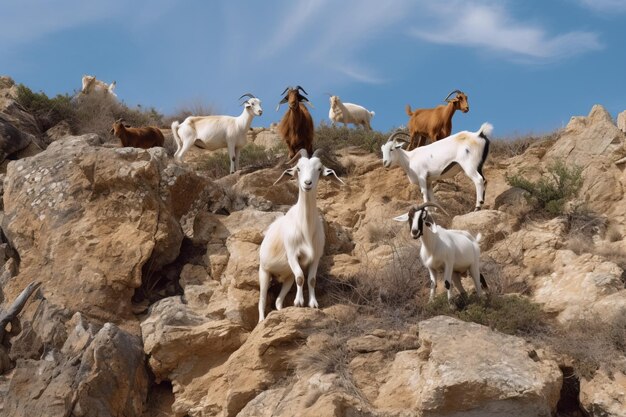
x=94 y=113
x=508 y=148
x=553 y=189
x=333 y=138
x=511 y=314
x=47 y=111
x=592 y=343
x=253 y=157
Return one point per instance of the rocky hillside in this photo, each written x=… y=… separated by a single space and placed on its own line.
x=149 y=286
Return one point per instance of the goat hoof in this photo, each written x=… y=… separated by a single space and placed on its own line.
x=313 y=304
x=477 y=209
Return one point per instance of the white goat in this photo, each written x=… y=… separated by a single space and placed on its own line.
x=215 y=132
x=445 y=158
x=294 y=243
x=349 y=113
x=452 y=251
x=93 y=85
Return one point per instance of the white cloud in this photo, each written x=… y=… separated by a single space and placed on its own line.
x=489 y=26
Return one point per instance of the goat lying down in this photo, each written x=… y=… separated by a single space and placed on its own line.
x=453 y=252
x=294 y=243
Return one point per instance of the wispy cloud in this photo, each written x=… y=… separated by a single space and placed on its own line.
x=25 y=20
x=490 y=26
x=333 y=35
x=605 y=6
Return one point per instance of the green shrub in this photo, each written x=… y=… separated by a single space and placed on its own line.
x=47 y=111
x=553 y=190
x=511 y=314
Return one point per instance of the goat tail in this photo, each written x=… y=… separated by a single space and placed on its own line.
x=408 y=110
x=179 y=142
x=372 y=114
x=479 y=236
x=485 y=130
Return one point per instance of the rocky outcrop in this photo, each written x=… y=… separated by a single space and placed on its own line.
x=88 y=215
x=97 y=372
x=96 y=224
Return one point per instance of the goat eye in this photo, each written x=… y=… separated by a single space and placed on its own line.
x=298 y=169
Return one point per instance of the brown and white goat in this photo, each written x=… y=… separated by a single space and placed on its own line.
x=296 y=126
x=434 y=123
x=137 y=137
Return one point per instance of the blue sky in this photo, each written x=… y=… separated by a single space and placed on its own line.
x=526 y=66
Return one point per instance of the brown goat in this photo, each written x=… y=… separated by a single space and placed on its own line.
x=138 y=137
x=296 y=126
x=434 y=123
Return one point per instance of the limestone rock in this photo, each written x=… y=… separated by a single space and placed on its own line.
x=95 y=217
x=581 y=287
x=604 y=395
x=493 y=225
x=466 y=369
x=621 y=121
x=59 y=131
x=97 y=374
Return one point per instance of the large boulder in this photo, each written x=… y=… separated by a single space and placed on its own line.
x=86 y=220
x=464 y=369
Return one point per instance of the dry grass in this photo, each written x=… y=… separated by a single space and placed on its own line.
x=253 y=157
x=508 y=148
x=193 y=108
x=592 y=343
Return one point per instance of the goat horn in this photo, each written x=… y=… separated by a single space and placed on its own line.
x=285 y=90
x=300 y=88
x=318 y=152
x=298 y=155
x=283 y=101
x=431 y=204
x=396 y=133
x=455 y=91
x=247 y=95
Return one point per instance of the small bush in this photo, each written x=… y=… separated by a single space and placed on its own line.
x=47 y=111
x=551 y=191
x=333 y=138
x=511 y=314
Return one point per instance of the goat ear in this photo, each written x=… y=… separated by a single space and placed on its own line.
x=402 y=218
x=286 y=175
x=333 y=176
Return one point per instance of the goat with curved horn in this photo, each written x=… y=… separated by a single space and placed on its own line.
x=455 y=91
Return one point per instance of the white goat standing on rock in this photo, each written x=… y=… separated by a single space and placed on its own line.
x=294 y=243
x=452 y=251
x=349 y=113
x=465 y=151
x=215 y=132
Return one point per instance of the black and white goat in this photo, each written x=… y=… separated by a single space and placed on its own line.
x=454 y=252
